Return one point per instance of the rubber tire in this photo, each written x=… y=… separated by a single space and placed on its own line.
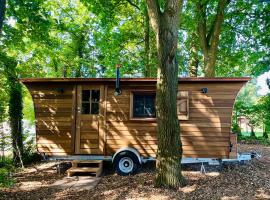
x=122 y=154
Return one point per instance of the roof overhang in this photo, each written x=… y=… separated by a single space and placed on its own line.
x=150 y=80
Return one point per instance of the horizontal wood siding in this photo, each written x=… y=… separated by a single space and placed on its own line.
x=53 y=110
x=205 y=134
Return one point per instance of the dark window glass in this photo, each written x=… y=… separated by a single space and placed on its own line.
x=85 y=95
x=85 y=108
x=144 y=105
x=94 y=108
x=90 y=102
x=95 y=96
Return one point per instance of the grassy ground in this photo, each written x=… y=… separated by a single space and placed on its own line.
x=251 y=181
x=246 y=134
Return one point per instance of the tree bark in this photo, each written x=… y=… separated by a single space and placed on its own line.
x=252 y=134
x=80 y=40
x=64 y=71
x=194 y=59
x=265 y=134
x=169 y=154
x=209 y=40
x=2 y=13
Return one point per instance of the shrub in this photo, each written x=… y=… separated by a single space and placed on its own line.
x=6 y=168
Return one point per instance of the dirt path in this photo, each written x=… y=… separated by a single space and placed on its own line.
x=251 y=181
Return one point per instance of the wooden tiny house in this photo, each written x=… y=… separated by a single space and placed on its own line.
x=82 y=116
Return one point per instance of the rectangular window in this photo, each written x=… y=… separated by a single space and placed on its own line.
x=90 y=102
x=144 y=105
x=183 y=105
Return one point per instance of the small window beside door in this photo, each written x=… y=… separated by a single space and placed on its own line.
x=90 y=102
x=143 y=105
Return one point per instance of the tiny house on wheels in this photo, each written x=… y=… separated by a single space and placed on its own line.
x=92 y=119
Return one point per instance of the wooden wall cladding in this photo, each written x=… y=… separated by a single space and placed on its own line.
x=54 y=118
x=205 y=134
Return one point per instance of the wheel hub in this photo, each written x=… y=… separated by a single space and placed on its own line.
x=126 y=164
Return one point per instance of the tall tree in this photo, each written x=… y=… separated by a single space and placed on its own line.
x=209 y=35
x=15 y=107
x=164 y=18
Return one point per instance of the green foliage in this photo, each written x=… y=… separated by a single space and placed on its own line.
x=255 y=108
x=87 y=38
x=3 y=98
x=5 y=180
x=263 y=110
x=30 y=155
x=28 y=107
x=254 y=140
x=6 y=169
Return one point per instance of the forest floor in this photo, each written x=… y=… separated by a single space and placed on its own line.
x=250 y=181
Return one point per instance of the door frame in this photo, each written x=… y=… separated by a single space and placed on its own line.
x=100 y=117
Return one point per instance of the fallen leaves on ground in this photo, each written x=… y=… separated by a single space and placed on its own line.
x=250 y=181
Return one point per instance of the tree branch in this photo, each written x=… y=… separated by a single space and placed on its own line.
x=213 y=36
x=154 y=13
x=133 y=4
x=201 y=26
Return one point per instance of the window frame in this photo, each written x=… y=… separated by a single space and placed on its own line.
x=131 y=105
x=180 y=117
x=90 y=101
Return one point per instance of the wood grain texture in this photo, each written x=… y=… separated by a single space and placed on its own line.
x=205 y=134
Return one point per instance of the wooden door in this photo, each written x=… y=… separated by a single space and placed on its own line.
x=89 y=119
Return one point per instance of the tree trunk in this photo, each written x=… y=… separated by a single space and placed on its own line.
x=147 y=70
x=15 y=113
x=265 y=134
x=64 y=71
x=78 y=72
x=193 y=60
x=169 y=154
x=2 y=13
x=209 y=39
x=210 y=57
x=79 y=42
x=252 y=134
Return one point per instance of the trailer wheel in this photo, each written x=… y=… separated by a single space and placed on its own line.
x=125 y=163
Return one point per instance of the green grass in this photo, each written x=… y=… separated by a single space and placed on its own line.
x=246 y=134
x=258 y=139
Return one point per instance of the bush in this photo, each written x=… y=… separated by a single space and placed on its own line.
x=254 y=140
x=30 y=156
x=5 y=170
x=265 y=135
x=5 y=178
